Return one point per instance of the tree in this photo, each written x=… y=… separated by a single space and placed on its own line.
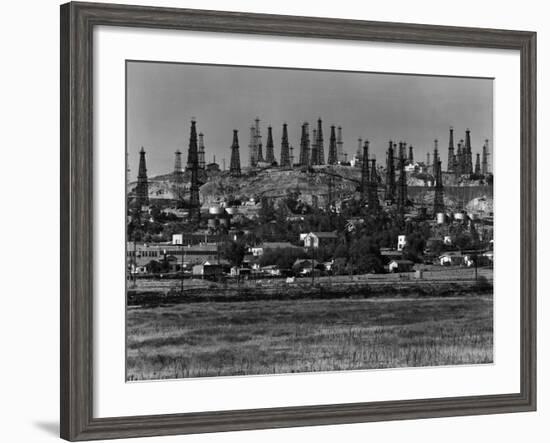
x=414 y=249
x=233 y=251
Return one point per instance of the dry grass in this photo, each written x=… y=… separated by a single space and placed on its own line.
x=266 y=337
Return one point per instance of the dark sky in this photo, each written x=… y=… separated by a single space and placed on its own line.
x=163 y=97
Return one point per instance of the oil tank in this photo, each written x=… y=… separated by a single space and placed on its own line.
x=215 y=210
x=440 y=217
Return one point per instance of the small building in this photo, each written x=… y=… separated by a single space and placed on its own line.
x=401 y=242
x=391 y=254
x=303 y=266
x=451 y=258
x=316 y=239
x=258 y=251
x=400 y=266
x=208 y=269
x=212 y=167
x=272 y=270
x=239 y=271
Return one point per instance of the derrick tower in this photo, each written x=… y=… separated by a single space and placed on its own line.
x=477 y=169
x=258 y=141
x=373 y=202
x=304 y=146
x=193 y=159
x=390 y=174
x=285 y=153
x=142 y=188
x=439 y=204
x=235 y=163
x=202 y=162
x=253 y=153
x=320 y=148
x=359 y=152
x=411 y=155
x=332 y=150
x=269 y=151
x=468 y=147
x=460 y=157
x=402 y=185
x=451 y=152
x=178 y=171
x=340 y=146
x=314 y=153
x=485 y=158
x=365 y=178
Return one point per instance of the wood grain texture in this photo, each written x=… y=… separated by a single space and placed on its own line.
x=77 y=23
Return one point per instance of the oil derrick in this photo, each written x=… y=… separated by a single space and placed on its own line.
x=389 y=194
x=402 y=185
x=373 y=202
x=258 y=141
x=314 y=153
x=193 y=158
x=436 y=156
x=178 y=171
x=359 y=153
x=142 y=188
x=202 y=162
x=411 y=155
x=269 y=152
x=260 y=154
x=485 y=158
x=365 y=179
x=459 y=164
x=285 y=153
x=439 y=204
x=402 y=147
x=320 y=147
x=339 y=146
x=252 y=153
x=451 y=152
x=235 y=164
x=304 y=146
x=332 y=150
x=477 y=169
x=291 y=160
x=468 y=147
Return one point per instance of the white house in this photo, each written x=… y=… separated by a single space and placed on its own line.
x=401 y=242
x=316 y=239
x=400 y=266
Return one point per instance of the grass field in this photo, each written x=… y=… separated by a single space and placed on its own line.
x=266 y=337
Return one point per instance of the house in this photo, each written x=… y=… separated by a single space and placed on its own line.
x=208 y=269
x=272 y=270
x=391 y=254
x=400 y=266
x=316 y=239
x=236 y=271
x=401 y=242
x=258 y=251
x=303 y=266
x=451 y=258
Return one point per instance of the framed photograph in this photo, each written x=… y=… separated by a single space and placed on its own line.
x=272 y=221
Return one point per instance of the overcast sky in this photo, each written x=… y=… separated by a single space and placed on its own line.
x=163 y=97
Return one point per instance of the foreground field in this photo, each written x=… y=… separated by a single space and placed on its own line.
x=282 y=336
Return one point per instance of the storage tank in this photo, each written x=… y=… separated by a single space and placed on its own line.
x=459 y=216
x=215 y=210
x=440 y=217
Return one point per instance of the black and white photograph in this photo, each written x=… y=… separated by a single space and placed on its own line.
x=291 y=220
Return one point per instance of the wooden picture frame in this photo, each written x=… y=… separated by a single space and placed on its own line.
x=77 y=23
